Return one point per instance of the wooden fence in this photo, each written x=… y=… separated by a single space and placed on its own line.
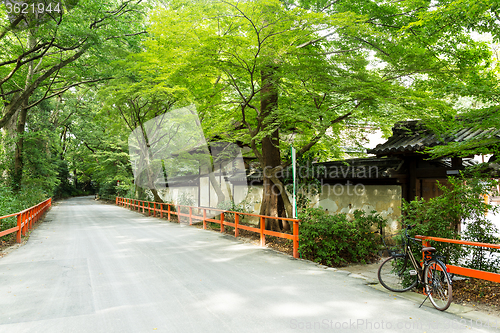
x=463 y=270
x=26 y=219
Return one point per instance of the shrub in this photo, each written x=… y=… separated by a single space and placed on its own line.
x=13 y=202
x=461 y=203
x=334 y=240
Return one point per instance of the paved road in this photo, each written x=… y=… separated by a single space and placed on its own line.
x=100 y=268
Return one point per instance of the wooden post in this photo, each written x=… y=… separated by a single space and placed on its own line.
x=236 y=222
x=204 y=218
x=262 y=226
x=161 y=210
x=295 y=239
x=222 y=222
x=23 y=224
x=19 y=226
x=190 y=215
x=169 y=212
x=425 y=243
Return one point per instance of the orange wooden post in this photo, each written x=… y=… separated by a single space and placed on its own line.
x=425 y=243
x=262 y=226
x=23 y=224
x=204 y=218
x=116 y=200
x=169 y=212
x=143 y=206
x=154 y=209
x=161 y=210
x=236 y=222
x=295 y=239
x=222 y=222
x=190 y=215
x=19 y=224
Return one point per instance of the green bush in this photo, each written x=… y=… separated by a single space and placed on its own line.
x=334 y=240
x=11 y=202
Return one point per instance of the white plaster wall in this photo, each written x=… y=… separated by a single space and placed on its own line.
x=384 y=199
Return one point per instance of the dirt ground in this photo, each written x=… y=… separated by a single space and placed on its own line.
x=484 y=295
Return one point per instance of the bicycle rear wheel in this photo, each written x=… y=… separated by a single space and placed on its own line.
x=438 y=284
x=397 y=274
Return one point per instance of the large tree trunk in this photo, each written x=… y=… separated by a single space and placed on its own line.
x=17 y=173
x=272 y=202
x=156 y=196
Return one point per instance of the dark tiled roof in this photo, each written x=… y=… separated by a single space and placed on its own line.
x=411 y=137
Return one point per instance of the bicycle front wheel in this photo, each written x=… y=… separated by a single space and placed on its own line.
x=438 y=284
x=397 y=274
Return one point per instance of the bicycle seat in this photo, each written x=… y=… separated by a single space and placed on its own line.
x=428 y=249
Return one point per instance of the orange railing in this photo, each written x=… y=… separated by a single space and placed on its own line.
x=463 y=270
x=26 y=219
x=166 y=208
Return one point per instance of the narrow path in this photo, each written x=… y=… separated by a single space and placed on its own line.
x=92 y=267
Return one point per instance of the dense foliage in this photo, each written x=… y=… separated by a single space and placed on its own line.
x=461 y=205
x=335 y=240
x=267 y=74
x=11 y=202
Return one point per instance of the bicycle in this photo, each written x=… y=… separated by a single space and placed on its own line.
x=398 y=275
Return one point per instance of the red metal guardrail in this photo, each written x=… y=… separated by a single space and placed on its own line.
x=165 y=208
x=463 y=270
x=26 y=219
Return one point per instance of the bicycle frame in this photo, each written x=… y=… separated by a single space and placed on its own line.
x=408 y=253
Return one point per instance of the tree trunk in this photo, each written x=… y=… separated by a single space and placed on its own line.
x=218 y=190
x=17 y=173
x=156 y=196
x=272 y=202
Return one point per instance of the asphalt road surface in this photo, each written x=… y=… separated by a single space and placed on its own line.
x=92 y=267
